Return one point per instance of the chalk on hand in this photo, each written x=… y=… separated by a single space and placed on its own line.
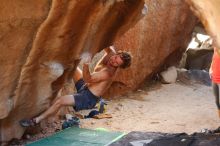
x=86 y=57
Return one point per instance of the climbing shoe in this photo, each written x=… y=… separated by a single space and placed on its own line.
x=28 y=123
x=91 y=114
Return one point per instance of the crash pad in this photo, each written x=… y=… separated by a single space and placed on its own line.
x=79 y=137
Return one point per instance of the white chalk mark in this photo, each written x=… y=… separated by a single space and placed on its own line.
x=145 y=9
x=56 y=69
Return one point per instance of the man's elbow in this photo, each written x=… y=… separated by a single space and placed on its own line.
x=91 y=80
x=87 y=79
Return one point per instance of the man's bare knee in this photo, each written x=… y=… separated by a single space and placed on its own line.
x=65 y=100
x=77 y=74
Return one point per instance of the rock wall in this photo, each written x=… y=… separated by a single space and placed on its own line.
x=209 y=13
x=41 y=43
x=160 y=37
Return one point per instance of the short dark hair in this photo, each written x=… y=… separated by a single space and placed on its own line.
x=126 y=58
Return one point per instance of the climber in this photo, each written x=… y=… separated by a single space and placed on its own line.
x=214 y=72
x=90 y=87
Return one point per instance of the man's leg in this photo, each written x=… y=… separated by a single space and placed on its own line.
x=216 y=91
x=77 y=75
x=67 y=100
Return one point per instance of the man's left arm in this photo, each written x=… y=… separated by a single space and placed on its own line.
x=86 y=72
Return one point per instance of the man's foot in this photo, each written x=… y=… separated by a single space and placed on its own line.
x=28 y=123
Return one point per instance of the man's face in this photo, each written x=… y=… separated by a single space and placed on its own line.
x=116 y=61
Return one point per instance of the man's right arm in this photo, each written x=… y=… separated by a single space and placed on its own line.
x=110 y=49
x=108 y=52
x=86 y=73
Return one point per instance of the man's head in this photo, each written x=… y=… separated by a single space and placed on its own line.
x=121 y=59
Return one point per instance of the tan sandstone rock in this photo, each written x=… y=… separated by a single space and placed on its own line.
x=209 y=13
x=169 y=75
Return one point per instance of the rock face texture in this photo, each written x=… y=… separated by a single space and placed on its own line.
x=169 y=75
x=41 y=42
x=209 y=13
x=163 y=34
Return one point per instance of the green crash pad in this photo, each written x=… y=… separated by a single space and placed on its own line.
x=79 y=137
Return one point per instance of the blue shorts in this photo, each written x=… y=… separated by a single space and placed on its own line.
x=84 y=98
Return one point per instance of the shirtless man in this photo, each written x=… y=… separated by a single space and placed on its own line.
x=90 y=87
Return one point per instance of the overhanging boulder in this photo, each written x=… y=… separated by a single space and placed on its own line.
x=41 y=42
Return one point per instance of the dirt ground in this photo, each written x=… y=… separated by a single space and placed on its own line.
x=169 y=108
x=162 y=108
